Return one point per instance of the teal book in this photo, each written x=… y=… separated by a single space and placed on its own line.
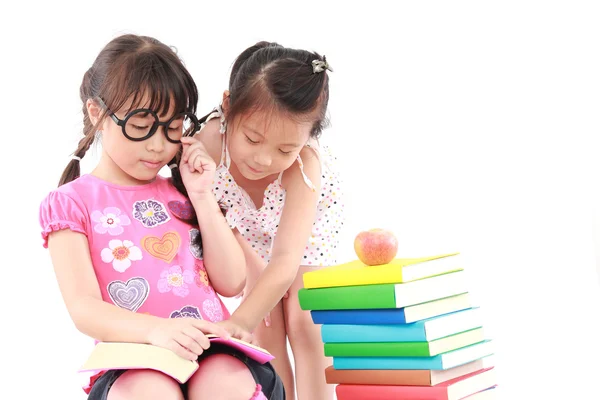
x=405 y=349
x=420 y=331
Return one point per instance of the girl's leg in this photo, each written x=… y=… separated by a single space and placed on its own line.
x=273 y=338
x=222 y=376
x=144 y=385
x=307 y=347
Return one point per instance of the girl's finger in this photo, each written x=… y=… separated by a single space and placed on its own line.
x=197 y=336
x=195 y=144
x=181 y=351
x=193 y=162
x=185 y=153
x=198 y=164
x=209 y=327
x=189 y=149
x=248 y=337
x=188 y=139
x=189 y=343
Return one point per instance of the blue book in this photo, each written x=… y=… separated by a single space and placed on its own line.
x=364 y=317
x=420 y=331
x=403 y=315
x=443 y=361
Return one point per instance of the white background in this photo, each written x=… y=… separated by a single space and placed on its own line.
x=461 y=126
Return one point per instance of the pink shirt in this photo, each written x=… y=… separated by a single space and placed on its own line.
x=142 y=252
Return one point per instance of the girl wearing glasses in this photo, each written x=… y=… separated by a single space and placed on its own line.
x=141 y=258
x=282 y=198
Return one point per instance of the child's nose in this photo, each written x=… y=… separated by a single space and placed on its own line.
x=157 y=141
x=263 y=159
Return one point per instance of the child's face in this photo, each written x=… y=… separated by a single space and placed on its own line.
x=141 y=160
x=265 y=143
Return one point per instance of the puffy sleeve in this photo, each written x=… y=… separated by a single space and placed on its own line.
x=60 y=211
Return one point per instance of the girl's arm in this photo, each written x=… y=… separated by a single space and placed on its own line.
x=255 y=265
x=288 y=247
x=81 y=293
x=108 y=323
x=223 y=256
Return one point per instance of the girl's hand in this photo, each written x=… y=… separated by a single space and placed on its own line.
x=186 y=337
x=267 y=319
x=197 y=167
x=237 y=331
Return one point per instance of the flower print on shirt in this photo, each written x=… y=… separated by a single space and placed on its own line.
x=186 y=312
x=212 y=309
x=201 y=277
x=120 y=254
x=150 y=213
x=110 y=220
x=176 y=280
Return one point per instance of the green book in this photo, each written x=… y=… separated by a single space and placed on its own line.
x=385 y=295
x=348 y=297
x=405 y=349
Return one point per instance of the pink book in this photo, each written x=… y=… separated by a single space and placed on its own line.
x=455 y=389
x=112 y=355
x=256 y=353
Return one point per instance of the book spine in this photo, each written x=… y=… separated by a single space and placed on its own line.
x=359 y=317
x=372 y=333
x=358 y=277
x=406 y=349
x=379 y=377
x=420 y=363
x=386 y=392
x=345 y=298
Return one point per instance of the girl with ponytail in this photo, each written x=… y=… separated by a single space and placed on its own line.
x=282 y=197
x=142 y=258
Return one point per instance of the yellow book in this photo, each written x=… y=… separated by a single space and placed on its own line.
x=121 y=355
x=399 y=270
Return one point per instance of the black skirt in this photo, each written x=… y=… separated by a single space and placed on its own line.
x=263 y=374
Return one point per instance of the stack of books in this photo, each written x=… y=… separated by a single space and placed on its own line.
x=404 y=330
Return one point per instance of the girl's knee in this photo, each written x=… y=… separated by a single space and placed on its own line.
x=223 y=374
x=145 y=384
x=300 y=327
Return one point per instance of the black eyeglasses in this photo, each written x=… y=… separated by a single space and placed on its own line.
x=142 y=123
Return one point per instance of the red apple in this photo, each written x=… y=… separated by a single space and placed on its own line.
x=376 y=246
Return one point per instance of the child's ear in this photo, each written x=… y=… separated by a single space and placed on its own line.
x=94 y=110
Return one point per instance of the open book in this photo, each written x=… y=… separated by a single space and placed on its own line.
x=113 y=355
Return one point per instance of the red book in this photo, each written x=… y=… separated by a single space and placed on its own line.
x=455 y=389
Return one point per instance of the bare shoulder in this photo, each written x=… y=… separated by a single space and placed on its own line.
x=311 y=164
x=211 y=138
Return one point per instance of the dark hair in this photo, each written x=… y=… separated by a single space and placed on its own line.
x=268 y=75
x=132 y=66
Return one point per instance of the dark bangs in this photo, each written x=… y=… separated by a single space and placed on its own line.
x=272 y=98
x=152 y=78
x=271 y=78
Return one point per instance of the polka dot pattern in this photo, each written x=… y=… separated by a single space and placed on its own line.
x=259 y=226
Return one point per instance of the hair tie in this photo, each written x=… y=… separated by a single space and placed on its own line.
x=76 y=158
x=320 y=66
x=172 y=166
